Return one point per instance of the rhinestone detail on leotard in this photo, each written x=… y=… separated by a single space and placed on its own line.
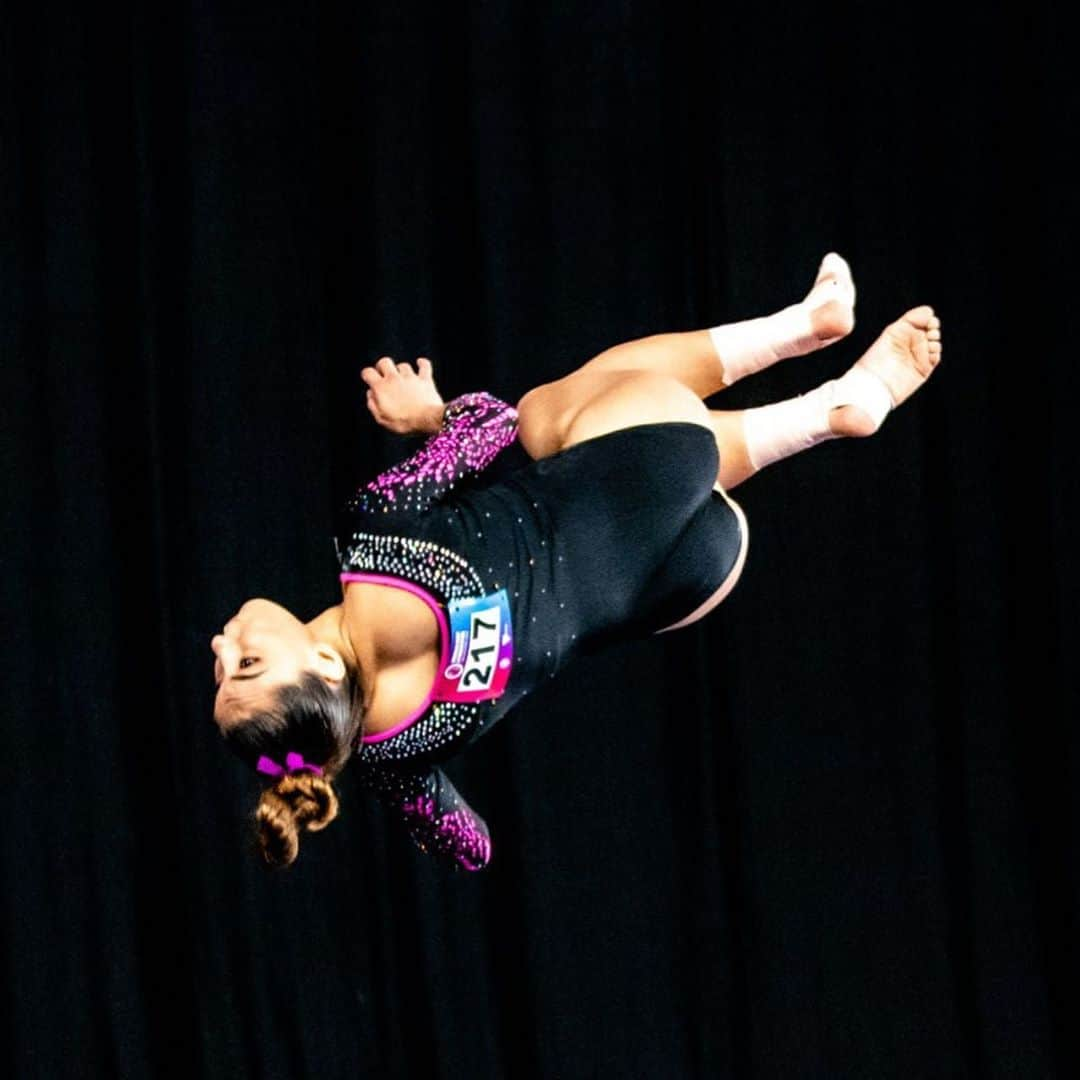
x=447 y=575
x=475 y=428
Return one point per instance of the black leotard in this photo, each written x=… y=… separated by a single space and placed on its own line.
x=614 y=538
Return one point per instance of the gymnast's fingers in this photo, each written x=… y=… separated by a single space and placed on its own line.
x=385 y=366
x=423 y=365
x=406 y=370
x=370 y=376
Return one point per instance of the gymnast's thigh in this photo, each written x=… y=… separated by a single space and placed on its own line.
x=589 y=403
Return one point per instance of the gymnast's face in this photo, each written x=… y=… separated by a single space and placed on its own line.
x=262 y=647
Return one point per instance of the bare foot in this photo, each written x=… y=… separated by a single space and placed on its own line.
x=823 y=316
x=903 y=358
x=831 y=302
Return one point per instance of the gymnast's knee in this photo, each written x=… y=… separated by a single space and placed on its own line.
x=538 y=429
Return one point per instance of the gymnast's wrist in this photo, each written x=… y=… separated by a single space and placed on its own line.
x=430 y=421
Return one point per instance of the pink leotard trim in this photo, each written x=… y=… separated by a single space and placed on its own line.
x=444 y=638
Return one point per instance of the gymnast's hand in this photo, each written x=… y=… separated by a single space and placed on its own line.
x=403 y=400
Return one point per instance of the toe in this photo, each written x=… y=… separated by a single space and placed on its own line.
x=833 y=265
x=919 y=316
x=933 y=335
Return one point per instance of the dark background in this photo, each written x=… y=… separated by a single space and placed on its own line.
x=829 y=832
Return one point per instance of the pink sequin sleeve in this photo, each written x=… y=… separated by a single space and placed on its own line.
x=439 y=820
x=476 y=427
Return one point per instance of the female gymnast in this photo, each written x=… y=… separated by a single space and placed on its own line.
x=462 y=590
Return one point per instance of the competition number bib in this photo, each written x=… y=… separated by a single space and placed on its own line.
x=481 y=649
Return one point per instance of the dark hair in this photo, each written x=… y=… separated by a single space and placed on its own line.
x=321 y=723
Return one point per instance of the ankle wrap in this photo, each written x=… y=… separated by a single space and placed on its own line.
x=773 y=432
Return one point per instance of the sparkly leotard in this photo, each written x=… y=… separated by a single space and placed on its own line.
x=616 y=537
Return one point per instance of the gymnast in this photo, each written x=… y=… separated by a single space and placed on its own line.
x=466 y=584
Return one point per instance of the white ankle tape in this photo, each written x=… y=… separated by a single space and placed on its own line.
x=773 y=432
x=863 y=388
x=748 y=346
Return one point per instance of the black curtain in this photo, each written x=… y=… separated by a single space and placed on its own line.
x=828 y=832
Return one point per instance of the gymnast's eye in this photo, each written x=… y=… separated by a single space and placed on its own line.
x=244 y=660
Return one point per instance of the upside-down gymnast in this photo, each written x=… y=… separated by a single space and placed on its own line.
x=461 y=593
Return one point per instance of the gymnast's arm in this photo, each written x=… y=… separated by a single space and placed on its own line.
x=440 y=821
x=465 y=436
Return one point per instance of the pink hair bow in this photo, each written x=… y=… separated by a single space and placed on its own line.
x=294 y=763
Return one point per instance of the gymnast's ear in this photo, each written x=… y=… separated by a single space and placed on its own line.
x=328 y=662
